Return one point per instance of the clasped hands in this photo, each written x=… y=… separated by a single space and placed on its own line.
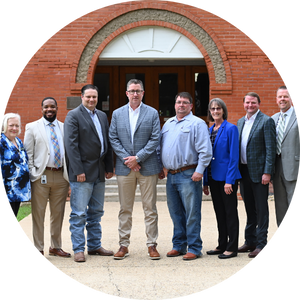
x=131 y=163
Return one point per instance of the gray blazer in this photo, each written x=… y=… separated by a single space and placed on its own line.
x=145 y=140
x=83 y=146
x=290 y=148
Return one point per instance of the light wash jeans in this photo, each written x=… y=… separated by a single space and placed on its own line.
x=184 y=199
x=87 y=200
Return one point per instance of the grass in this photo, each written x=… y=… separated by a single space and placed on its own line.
x=24 y=211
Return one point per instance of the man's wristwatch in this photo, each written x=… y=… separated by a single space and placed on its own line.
x=137 y=159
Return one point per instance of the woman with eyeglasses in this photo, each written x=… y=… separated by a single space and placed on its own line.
x=14 y=162
x=222 y=178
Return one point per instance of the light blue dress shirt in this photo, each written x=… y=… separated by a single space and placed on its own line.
x=50 y=162
x=185 y=142
x=97 y=124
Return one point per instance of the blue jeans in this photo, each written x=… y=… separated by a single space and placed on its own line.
x=87 y=200
x=184 y=198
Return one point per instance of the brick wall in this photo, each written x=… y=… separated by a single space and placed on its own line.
x=52 y=70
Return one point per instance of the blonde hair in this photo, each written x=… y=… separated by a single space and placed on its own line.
x=6 y=118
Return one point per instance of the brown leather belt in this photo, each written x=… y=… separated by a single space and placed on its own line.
x=54 y=169
x=182 y=169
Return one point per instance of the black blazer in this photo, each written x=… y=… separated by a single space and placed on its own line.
x=83 y=146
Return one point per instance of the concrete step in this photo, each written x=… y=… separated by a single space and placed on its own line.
x=112 y=195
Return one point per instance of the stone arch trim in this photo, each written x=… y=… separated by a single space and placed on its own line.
x=212 y=50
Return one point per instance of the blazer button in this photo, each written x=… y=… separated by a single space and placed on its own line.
x=213 y=158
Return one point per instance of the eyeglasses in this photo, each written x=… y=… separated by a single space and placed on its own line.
x=215 y=108
x=132 y=92
x=182 y=102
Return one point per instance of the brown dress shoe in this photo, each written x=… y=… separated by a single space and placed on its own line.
x=58 y=252
x=190 y=256
x=40 y=254
x=254 y=253
x=246 y=248
x=153 y=253
x=101 y=251
x=122 y=253
x=174 y=253
x=79 y=257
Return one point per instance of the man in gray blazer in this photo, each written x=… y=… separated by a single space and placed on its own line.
x=134 y=136
x=287 y=156
x=257 y=136
x=89 y=161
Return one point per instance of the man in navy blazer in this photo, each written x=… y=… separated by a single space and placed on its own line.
x=134 y=136
x=257 y=135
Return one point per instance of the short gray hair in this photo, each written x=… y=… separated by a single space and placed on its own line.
x=135 y=81
x=6 y=118
x=220 y=103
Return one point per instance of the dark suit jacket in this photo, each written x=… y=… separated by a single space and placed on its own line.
x=225 y=160
x=83 y=146
x=261 y=146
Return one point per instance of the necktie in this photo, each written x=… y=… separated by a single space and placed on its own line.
x=280 y=133
x=57 y=158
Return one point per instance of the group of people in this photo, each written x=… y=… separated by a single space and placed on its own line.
x=79 y=154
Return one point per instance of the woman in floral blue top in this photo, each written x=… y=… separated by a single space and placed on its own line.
x=14 y=162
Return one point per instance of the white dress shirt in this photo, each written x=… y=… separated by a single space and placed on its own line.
x=50 y=162
x=245 y=135
x=133 y=117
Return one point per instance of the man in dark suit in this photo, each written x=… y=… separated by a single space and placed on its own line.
x=89 y=161
x=287 y=158
x=257 y=135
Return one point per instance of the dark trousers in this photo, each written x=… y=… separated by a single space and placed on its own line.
x=15 y=207
x=255 y=196
x=225 y=207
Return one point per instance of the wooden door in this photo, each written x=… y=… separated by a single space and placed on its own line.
x=161 y=84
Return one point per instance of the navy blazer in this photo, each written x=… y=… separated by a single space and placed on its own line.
x=225 y=160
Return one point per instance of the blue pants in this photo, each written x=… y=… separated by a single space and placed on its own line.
x=184 y=198
x=87 y=200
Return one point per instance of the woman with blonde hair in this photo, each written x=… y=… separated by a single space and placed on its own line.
x=14 y=162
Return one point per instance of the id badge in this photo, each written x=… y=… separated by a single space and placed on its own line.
x=44 y=179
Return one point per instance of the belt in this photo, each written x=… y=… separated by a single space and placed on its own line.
x=54 y=169
x=182 y=169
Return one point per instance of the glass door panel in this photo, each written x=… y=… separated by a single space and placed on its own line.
x=168 y=89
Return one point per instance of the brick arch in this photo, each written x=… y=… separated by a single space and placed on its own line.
x=96 y=55
x=204 y=39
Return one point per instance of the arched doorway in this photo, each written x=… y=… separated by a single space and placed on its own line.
x=165 y=60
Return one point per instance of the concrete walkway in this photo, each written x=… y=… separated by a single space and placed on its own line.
x=137 y=276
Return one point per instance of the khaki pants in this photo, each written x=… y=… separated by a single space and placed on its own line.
x=56 y=190
x=127 y=186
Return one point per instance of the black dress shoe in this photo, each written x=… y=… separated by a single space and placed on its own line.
x=224 y=256
x=214 y=252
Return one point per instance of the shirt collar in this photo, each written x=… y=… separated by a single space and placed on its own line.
x=136 y=110
x=89 y=111
x=187 y=117
x=252 y=117
x=46 y=122
x=288 y=112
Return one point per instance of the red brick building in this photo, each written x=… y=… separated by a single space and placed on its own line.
x=170 y=46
